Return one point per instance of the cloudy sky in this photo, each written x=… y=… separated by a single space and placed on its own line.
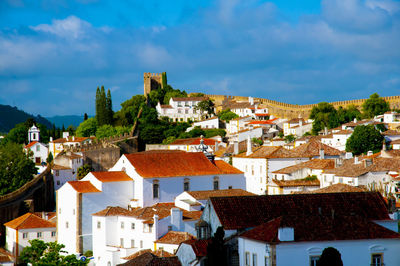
x=54 y=53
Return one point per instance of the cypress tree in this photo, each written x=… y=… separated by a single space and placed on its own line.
x=102 y=106
x=109 y=110
x=98 y=105
x=85 y=117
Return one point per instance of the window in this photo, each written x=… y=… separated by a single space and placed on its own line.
x=252 y=169
x=147 y=228
x=37 y=147
x=156 y=189
x=376 y=260
x=169 y=228
x=59 y=210
x=53 y=233
x=340 y=179
x=313 y=260
x=247 y=258
x=141 y=243
x=98 y=224
x=73 y=211
x=66 y=225
x=57 y=172
x=132 y=243
x=230 y=187
x=186 y=184
x=254 y=259
x=216 y=183
x=133 y=226
x=58 y=182
x=121 y=242
x=25 y=235
x=122 y=225
x=39 y=234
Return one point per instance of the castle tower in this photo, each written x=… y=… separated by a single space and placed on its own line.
x=152 y=81
x=33 y=134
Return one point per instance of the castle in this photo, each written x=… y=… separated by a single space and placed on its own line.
x=153 y=81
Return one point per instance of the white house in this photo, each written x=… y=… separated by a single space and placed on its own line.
x=139 y=180
x=208 y=123
x=171 y=241
x=56 y=146
x=39 y=151
x=65 y=168
x=193 y=252
x=391 y=135
x=295 y=122
x=249 y=108
x=182 y=109
x=338 y=139
x=27 y=227
x=237 y=124
x=304 y=224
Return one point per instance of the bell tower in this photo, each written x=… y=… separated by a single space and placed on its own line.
x=33 y=134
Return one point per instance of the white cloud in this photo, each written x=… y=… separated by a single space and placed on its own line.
x=70 y=27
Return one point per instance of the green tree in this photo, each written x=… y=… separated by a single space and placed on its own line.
x=209 y=133
x=227 y=115
x=194 y=133
x=164 y=80
x=71 y=130
x=50 y=158
x=87 y=128
x=172 y=94
x=374 y=106
x=108 y=107
x=197 y=94
x=324 y=115
x=127 y=115
x=289 y=138
x=106 y=131
x=19 y=134
x=348 y=114
x=330 y=257
x=50 y=253
x=101 y=107
x=85 y=117
x=257 y=141
x=84 y=170
x=16 y=168
x=206 y=106
x=364 y=139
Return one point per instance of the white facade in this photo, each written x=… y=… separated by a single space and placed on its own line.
x=39 y=150
x=303 y=252
x=33 y=134
x=62 y=175
x=181 y=109
x=337 y=140
x=256 y=132
x=207 y=124
x=237 y=124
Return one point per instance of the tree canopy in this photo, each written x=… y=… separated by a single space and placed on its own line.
x=50 y=253
x=227 y=115
x=16 y=168
x=364 y=139
x=87 y=128
x=330 y=257
x=206 y=106
x=324 y=115
x=375 y=105
x=104 y=112
x=348 y=114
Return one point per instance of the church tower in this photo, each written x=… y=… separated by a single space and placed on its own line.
x=33 y=134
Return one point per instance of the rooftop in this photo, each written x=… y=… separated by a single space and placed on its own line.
x=193 y=141
x=206 y=194
x=83 y=186
x=322 y=164
x=174 y=237
x=111 y=176
x=29 y=221
x=297 y=183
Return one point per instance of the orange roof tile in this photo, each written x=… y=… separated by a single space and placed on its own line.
x=193 y=141
x=297 y=183
x=29 y=220
x=173 y=237
x=111 y=176
x=391 y=133
x=30 y=144
x=312 y=164
x=168 y=163
x=312 y=148
x=226 y=168
x=83 y=186
x=206 y=194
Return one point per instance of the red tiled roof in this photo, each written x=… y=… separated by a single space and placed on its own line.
x=312 y=148
x=226 y=168
x=391 y=133
x=250 y=211
x=336 y=188
x=174 y=237
x=30 y=144
x=297 y=183
x=149 y=259
x=268 y=152
x=170 y=163
x=29 y=220
x=111 y=176
x=262 y=114
x=322 y=164
x=50 y=215
x=158 y=253
x=83 y=186
x=206 y=194
x=321 y=228
x=258 y=122
x=199 y=246
x=5 y=256
x=166 y=106
x=193 y=141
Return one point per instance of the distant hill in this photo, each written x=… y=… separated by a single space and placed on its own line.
x=10 y=116
x=66 y=120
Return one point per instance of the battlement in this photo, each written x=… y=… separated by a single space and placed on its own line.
x=152 y=75
x=151 y=81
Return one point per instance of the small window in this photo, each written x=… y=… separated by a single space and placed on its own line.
x=247 y=258
x=216 y=183
x=133 y=226
x=39 y=234
x=57 y=172
x=98 y=224
x=252 y=169
x=53 y=233
x=186 y=184
x=25 y=235
x=169 y=228
x=58 y=182
x=37 y=147
x=73 y=211
x=156 y=189
x=377 y=260
x=254 y=259
x=141 y=243
x=122 y=225
x=132 y=243
x=59 y=210
x=314 y=260
x=66 y=225
x=121 y=241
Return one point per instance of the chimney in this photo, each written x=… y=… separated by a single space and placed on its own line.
x=356 y=160
x=348 y=155
x=155 y=225
x=383 y=145
x=249 y=151
x=322 y=154
x=65 y=135
x=369 y=153
x=300 y=122
x=367 y=162
x=325 y=131
x=176 y=219
x=235 y=147
x=286 y=234
x=51 y=139
x=251 y=100
x=355 y=120
x=73 y=138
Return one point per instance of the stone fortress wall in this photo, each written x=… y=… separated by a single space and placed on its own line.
x=286 y=110
x=152 y=81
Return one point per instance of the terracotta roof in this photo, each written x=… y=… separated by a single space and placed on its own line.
x=312 y=164
x=83 y=186
x=336 y=188
x=174 y=237
x=239 y=105
x=397 y=141
x=321 y=228
x=226 y=168
x=70 y=139
x=60 y=167
x=147 y=213
x=30 y=144
x=50 y=215
x=193 y=141
x=199 y=246
x=250 y=211
x=268 y=152
x=5 y=256
x=111 y=176
x=170 y=163
x=149 y=259
x=297 y=183
x=230 y=149
x=166 y=106
x=189 y=99
x=206 y=194
x=158 y=253
x=343 y=132
x=391 y=133
x=295 y=120
x=260 y=122
x=312 y=148
x=28 y=221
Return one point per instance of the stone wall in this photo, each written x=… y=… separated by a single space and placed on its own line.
x=151 y=82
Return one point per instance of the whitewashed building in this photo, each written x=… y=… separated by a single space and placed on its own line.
x=65 y=168
x=182 y=109
x=337 y=139
x=237 y=124
x=39 y=151
x=208 y=123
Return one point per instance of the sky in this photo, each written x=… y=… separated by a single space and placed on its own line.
x=54 y=53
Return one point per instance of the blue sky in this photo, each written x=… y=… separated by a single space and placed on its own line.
x=54 y=53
